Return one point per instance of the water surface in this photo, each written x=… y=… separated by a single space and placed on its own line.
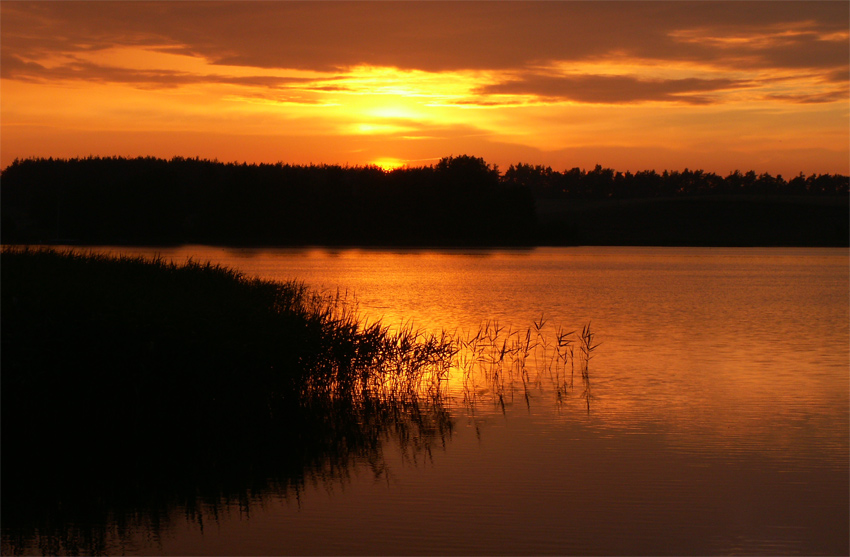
x=717 y=421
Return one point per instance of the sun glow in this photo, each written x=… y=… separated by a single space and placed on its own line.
x=389 y=164
x=616 y=108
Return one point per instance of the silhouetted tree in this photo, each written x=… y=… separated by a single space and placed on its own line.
x=460 y=200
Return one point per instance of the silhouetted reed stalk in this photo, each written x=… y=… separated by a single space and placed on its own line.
x=587 y=347
x=500 y=361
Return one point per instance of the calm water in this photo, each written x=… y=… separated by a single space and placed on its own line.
x=717 y=421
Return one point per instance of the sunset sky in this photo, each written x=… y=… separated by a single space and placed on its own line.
x=629 y=85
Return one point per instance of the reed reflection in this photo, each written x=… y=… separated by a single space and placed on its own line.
x=95 y=495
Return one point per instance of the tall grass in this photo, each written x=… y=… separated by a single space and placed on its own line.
x=150 y=334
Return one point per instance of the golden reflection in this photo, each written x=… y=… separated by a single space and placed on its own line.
x=495 y=366
x=499 y=365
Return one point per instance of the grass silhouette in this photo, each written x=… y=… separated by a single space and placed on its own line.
x=130 y=336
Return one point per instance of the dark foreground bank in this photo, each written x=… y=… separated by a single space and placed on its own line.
x=105 y=340
x=131 y=388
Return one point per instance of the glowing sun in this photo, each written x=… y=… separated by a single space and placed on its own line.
x=389 y=164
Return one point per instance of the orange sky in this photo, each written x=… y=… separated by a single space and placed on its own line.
x=632 y=85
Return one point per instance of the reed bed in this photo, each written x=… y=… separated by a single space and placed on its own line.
x=131 y=336
x=135 y=328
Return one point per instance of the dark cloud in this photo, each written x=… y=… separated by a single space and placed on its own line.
x=329 y=88
x=489 y=103
x=430 y=36
x=838 y=76
x=805 y=51
x=817 y=98
x=611 y=89
x=13 y=67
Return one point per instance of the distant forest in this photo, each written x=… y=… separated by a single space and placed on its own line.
x=460 y=201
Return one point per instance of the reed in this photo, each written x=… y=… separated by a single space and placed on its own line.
x=587 y=347
x=499 y=363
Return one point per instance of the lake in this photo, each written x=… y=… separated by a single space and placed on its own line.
x=712 y=419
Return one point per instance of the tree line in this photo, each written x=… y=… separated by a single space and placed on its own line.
x=183 y=200
x=460 y=200
x=601 y=183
